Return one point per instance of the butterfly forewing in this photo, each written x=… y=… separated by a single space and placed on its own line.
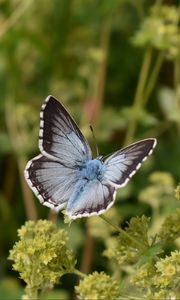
x=123 y=164
x=60 y=137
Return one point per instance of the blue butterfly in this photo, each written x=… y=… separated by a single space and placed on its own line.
x=65 y=175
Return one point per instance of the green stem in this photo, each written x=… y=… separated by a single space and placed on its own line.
x=125 y=296
x=143 y=77
x=102 y=70
x=119 y=229
x=15 y=16
x=31 y=293
x=153 y=77
x=138 y=99
x=79 y=273
x=177 y=88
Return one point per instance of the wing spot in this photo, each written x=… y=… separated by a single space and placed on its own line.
x=45 y=195
x=138 y=166
x=41 y=123
x=43 y=106
x=132 y=173
x=40 y=133
x=150 y=152
x=145 y=158
x=47 y=99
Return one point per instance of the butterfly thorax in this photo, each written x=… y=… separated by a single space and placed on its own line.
x=92 y=169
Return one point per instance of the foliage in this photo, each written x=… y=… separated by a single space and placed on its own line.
x=171 y=227
x=177 y=192
x=41 y=256
x=159 y=280
x=137 y=246
x=115 y=64
x=160 y=29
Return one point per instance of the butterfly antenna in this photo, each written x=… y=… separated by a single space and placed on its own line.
x=92 y=131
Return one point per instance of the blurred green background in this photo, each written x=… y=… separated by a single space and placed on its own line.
x=114 y=64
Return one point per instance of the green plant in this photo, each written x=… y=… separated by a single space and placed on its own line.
x=115 y=64
x=42 y=257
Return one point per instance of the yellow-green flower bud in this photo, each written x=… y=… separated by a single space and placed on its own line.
x=97 y=286
x=41 y=256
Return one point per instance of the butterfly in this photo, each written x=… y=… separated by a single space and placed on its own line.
x=65 y=175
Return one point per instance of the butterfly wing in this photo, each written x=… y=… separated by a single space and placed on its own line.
x=91 y=199
x=53 y=174
x=60 y=137
x=123 y=164
x=51 y=182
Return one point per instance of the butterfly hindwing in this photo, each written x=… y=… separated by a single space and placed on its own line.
x=123 y=164
x=92 y=199
x=51 y=182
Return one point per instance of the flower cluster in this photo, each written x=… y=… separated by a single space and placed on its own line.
x=177 y=192
x=124 y=250
x=168 y=270
x=160 y=278
x=160 y=191
x=155 y=275
x=98 y=286
x=161 y=30
x=41 y=256
x=163 y=178
x=170 y=229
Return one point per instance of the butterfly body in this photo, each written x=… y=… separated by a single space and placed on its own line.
x=92 y=169
x=66 y=176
